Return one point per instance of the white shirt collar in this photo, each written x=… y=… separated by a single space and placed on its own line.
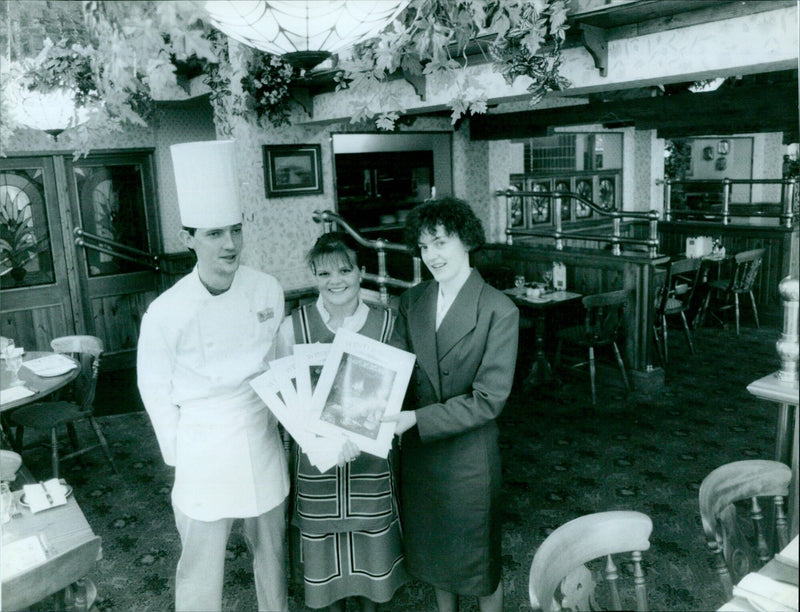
x=353 y=323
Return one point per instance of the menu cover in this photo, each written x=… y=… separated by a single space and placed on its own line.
x=362 y=381
x=285 y=372
x=767 y=594
x=309 y=360
x=271 y=387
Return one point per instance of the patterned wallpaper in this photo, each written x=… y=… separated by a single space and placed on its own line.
x=188 y=121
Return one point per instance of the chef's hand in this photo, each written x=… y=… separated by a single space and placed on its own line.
x=405 y=420
x=348 y=452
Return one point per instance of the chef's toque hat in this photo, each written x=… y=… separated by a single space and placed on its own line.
x=208 y=188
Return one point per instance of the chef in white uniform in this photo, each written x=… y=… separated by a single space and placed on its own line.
x=200 y=343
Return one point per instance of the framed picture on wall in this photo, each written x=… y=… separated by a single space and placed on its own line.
x=291 y=170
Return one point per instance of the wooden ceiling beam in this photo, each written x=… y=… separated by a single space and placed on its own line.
x=757 y=106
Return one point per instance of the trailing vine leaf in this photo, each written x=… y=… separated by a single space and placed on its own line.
x=122 y=55
x=430 y=37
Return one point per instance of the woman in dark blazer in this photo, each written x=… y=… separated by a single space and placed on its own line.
x=464 y=334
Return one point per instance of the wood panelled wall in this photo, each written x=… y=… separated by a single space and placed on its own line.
x=780 y=258
x=117 y=319
x=33 y=328
x=591 y=271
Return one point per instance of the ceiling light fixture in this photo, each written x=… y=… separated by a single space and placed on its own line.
x=51 y=111
x=304 y=32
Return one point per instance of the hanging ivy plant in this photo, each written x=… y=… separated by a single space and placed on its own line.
x=267 y=84
x=431 y=38
x=124 y=54
x=116 y=56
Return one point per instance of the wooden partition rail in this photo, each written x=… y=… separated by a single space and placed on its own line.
x=787 y=208
x=780 y=259
x=594 y=271
x=559 y=234
x=382 y=279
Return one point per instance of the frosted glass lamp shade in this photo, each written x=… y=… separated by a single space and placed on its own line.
x=305 y=32
x=52 y=111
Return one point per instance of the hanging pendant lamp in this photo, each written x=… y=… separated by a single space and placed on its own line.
x=51 y=111
x=304 y=32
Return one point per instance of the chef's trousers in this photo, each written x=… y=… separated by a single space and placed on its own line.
x=199 y=577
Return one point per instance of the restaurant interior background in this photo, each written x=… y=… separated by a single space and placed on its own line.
x=664 y=100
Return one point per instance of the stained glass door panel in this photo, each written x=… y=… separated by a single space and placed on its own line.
x=26 y=255
x=115 y=194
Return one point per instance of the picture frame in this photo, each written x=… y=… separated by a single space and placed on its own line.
x=363 y=380
x=292 y=170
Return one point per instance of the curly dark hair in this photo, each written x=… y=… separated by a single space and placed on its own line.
x=454 y=215
x=335 y=246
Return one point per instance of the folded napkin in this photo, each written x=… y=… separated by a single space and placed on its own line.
x=45 y=495
x=50 y=365
x=767 y=594
x=12 y=394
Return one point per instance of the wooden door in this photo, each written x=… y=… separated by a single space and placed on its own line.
x=101 y=230
x=35 y=297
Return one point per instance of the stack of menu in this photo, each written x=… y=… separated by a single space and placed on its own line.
x=326 y=393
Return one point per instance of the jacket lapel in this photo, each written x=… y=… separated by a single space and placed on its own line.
x=461 y=317
x=422 y=323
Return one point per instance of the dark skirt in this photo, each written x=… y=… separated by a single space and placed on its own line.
x=450 y=508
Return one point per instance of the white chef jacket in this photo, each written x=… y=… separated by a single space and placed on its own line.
x=196 y=354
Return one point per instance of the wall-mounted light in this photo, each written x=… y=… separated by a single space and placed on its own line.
x=304 y=32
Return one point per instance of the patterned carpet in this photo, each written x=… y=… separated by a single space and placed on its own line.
x=647 y=453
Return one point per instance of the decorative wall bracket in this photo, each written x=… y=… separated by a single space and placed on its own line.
x=302 y=95
x=596 y=43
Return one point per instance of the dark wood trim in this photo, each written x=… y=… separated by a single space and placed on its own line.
x=592 y=271
x=780 y=258
x=737 y=109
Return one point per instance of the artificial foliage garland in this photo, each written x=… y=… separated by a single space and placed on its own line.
x=431 y=38
x=267 y=83
x=127 y=50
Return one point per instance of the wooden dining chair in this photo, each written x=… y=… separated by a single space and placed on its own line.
x=559 y=578
x=605 y=316
x=49 y=416
x=742 y=280
x=735 y=551
x=674 y=298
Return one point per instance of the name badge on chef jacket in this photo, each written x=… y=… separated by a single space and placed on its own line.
x=265 y=315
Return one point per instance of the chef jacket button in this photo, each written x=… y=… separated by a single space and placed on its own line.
x=446 y=372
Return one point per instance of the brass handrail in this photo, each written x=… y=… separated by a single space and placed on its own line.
x=133 y=254
x=329 y=218
x=559 y=234
x=789 y=189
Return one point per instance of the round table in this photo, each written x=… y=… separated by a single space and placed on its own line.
x=42 y=385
